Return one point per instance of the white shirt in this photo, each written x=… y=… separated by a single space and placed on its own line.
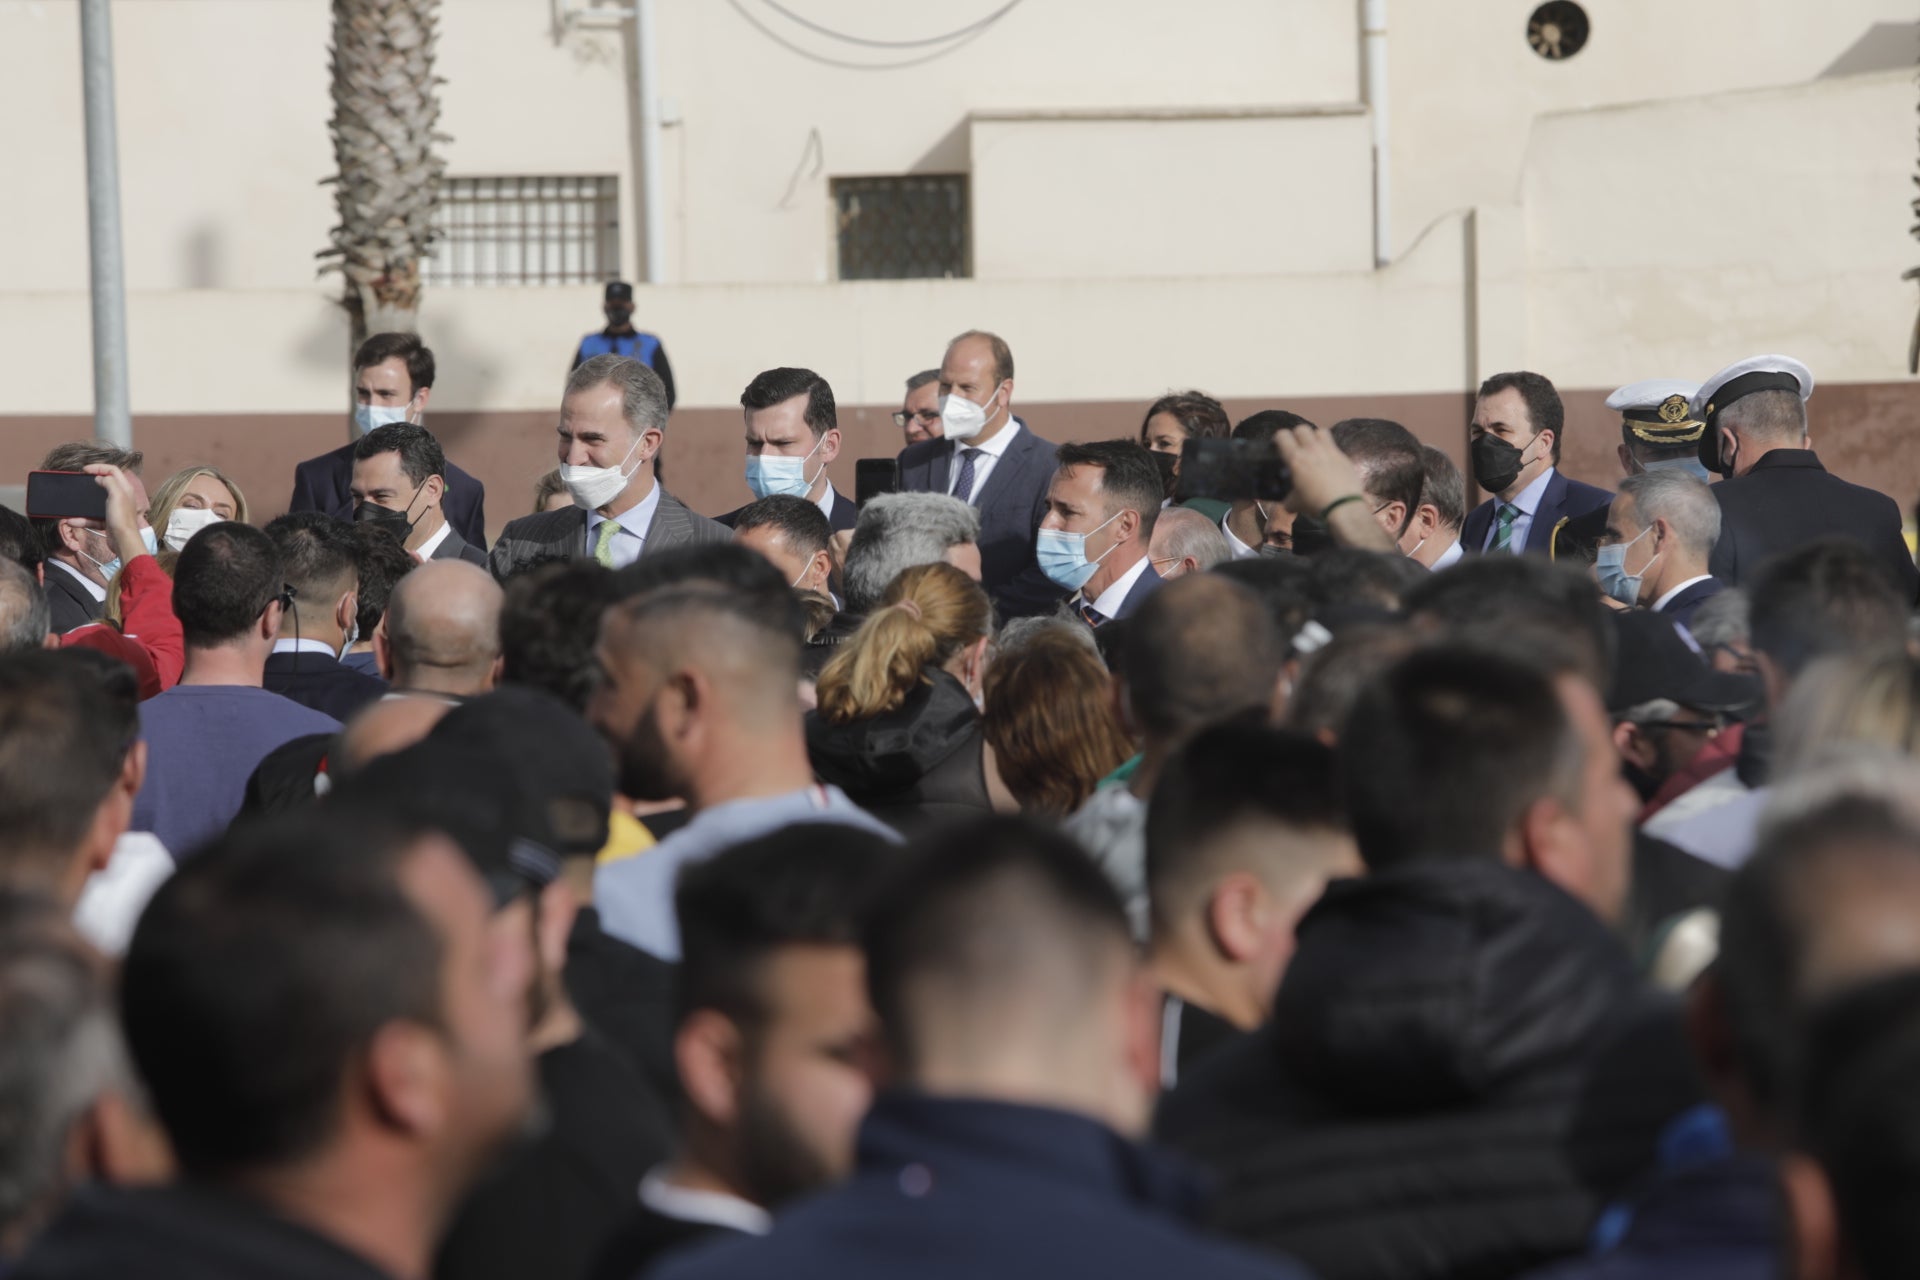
x=990 y=454
x=1528 y=500
x=634 y=523
x=1666 y=599
x=425 y=551
x=1107 y=603
x=111 y=903
x=99 y=592
x=1240 y=549
x=1449 y=556
x=826 y=499
x=715 y=1208
x=287 y=644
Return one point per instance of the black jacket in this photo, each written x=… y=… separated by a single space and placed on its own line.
x=627 y=996
x=1787 y=501
x=72 y=604
x=321 y=681
x=325 y=484
x=182 y=1233
x=1459 y=1072
x=1011 y=502
x=912 y=768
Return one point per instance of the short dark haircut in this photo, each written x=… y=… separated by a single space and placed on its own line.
x=921 y=379
x=259 y=972
x=1486 y=593
x=420 y=454
x=224 y=580
x=1829 y=596
x=1230 y=774
x=777 y=386
x=1859 y=1117
x=1445 y=488
x=955 y=914
x=1544 y=410
x=1390 y=459
x=1332 y=677
x=1002 y=353
x=319 y=554
x=549 y=625
x=382 y=347
x=1347 y=576
x=1776 y=905
x=382 y=560
x=799 y=522
x=1262 y=425
x=1283 y=585
x=78 y=455
x=1199 y=415
x=1446 y=752
x=63 y=741
x=725 y=564
x=803 y=885
x=1202 y=650
x=1129 y=478
x=19 y=541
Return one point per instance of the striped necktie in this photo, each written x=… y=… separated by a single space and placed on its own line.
x=1503 y=536
x=963 y=486
x=603 y=544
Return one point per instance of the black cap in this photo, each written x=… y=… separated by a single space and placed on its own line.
x=475 y=797
x=1653 y=660
x=619 y=291
x=558 y=760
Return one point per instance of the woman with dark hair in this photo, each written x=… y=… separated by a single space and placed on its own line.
x=1171 y=421
x=1051 y=720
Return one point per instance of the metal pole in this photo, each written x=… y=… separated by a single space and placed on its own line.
x=1374 y=37
x=112 y=418
x=646 y=75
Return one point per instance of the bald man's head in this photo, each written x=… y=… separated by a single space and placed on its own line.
x=1201 y=650
x=384 y=727
x=442 y=629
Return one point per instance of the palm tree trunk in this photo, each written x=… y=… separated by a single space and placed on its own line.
x=385 y=106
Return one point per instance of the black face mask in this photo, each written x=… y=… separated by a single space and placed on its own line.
x=1166 y=462
x=1496 y=464
x=386 y=518
x=1710 y=457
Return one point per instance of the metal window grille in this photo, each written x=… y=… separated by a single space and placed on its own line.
x=902 y=228
x=520 y=231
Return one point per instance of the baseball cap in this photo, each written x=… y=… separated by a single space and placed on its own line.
x=619 y=291
x=1653 y=660
x=558 y=760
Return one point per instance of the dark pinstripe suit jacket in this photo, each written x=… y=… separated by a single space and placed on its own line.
x=562 y=535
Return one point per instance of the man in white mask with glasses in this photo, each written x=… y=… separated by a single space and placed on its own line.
x=987 y=457
x=613 y=419
x=792 y=437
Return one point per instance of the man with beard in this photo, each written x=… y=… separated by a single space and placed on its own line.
x=773 y=1034
x=699 y=695
x=1666 y=703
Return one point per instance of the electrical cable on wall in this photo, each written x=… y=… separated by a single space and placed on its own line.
x=957 y=40
x=970 y=28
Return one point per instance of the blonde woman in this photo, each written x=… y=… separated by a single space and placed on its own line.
x=192 y=499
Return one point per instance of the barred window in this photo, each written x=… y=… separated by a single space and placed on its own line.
x=519 y=231
x=902 y=228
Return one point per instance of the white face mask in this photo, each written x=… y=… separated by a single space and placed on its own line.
x=961 y=418
x=368 y=416
x=184 y=523
x=352 y=638
x=594 y=487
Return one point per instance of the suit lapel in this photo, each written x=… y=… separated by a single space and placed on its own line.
x=668 y=527
x=1553 y=505
x=939 y=469
x=1010 y=465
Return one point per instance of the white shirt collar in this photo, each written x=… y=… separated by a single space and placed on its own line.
x=1448 y=556
x=996 y=447
x=635 y=520
x=1107 y=603
x=1528 y=499
x=1661 y=603
x=94 y=589
x=1240 y=549
x=424 y=552
x=715 y=1208
x=825 y=504
x=287 y=644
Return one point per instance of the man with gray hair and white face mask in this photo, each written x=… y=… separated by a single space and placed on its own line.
x=613 y=420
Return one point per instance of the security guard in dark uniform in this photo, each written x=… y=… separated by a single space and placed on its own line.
x=620 y=338
x=1777 y=496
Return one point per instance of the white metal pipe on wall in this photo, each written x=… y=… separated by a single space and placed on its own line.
x=646 y=75
x=1373 y=36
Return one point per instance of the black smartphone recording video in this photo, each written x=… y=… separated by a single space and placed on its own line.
x=65 y=495
x=875 y=476
x=1233 y=470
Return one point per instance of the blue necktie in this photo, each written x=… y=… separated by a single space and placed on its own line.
x=963 y=487
x=1092 y=616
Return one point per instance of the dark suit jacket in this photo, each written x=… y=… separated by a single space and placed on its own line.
x=843 y=515
x=325 y=484
x=1787 y=501
x=1145 y=585
x=1683 y=606
x=1011 y=504
x=318 y=681
x=455 y=547
x=73 y=605
x=562 y=535
x=1563 y=498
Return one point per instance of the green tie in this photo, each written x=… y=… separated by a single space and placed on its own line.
x=603 y=545
x=1502 y=537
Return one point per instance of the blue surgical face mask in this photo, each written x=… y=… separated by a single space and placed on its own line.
x=770 y=475
x=1063 y=555
x=1692 y=466
x=1610 y=565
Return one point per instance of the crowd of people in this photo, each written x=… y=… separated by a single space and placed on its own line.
x=1050 y=866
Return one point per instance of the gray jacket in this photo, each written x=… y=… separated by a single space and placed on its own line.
x=562 y=535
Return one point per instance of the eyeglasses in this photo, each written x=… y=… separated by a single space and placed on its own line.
x=925 y=417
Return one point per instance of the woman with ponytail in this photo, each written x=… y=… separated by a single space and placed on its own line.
x=897 y=726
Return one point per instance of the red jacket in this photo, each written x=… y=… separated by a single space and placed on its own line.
x=1720 y=754
x=150 y=642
